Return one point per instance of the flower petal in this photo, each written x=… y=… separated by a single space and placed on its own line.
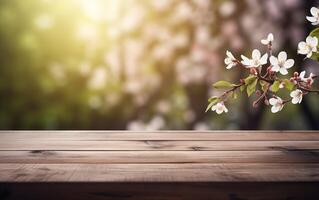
x=302 y=48
x=219 y=111
x=270 y=37
x=264 y=42
x=256 y=54
x=302 y=74
x=263 y=59
x=314 y=11
x=275 y=68
x=245 y=60
x=289 y=63
x=225 y=109
x=314 y=42
x=282 y=56
x=229 y=66
x=295 y=100
x=275 y=109
x=300 y=99
x=230 y=55
x=273 y=60
x=227 y=61
x=214 y=107
x=293 y=93
x=273 y=101
x=283 y=71
x=279 y=100
x=311 y=19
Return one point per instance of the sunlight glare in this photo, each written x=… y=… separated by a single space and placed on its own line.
x=98 y=10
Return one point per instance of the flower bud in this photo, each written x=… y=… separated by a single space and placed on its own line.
x=296 y=74
x=309 y=82
x=255 y=104
x=266 y=102
x=253 y=71
x=258 y=93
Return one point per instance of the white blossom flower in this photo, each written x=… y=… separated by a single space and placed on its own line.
x=230 y=60
x=314 y=19
x=256 y=61
x=296 y=96
x=268 y=40
x=281 y=64
x=277 y=104
x=219 y=108
x=309 y=79
x=308 y=47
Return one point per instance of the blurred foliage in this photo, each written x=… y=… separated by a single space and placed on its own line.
x=137 y=64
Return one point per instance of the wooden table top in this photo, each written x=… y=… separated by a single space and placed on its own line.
x=167 y=156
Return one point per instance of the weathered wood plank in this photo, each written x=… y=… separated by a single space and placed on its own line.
x=96 y=157
x=160 y=191
x=226 y=172
x=163 y=135
x=147 y=145
x=159 y=165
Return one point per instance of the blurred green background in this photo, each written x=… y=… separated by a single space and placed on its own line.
x=141 y=64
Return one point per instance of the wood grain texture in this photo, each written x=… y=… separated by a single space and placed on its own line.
x=233 y=165
x=225 y=172
x=163 y=145
x=153 y=157
x=12 y=136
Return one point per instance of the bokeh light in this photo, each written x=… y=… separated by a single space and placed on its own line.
x=140 y=64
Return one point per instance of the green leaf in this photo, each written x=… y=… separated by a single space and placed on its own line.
x=212 y=101
x=213 y=98
x=250 y=79
x=275 y=86
x=263 y=85
x=234 y=95
x=242 y=88
x=315 y=56
x=315 y=33
x=251 y=88
x=289 y=85
x=223 y=85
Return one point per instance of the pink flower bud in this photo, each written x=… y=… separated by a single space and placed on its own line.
x=253 y=71
x=258 y=92
x=266 y=102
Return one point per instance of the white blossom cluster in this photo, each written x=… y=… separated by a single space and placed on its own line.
x=279 y=64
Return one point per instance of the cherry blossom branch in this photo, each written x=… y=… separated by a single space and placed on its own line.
x=262 y=96
x=232 y=89
x=308 y=90
x=271 y=84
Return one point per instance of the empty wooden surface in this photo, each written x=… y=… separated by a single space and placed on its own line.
x=211 y=162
